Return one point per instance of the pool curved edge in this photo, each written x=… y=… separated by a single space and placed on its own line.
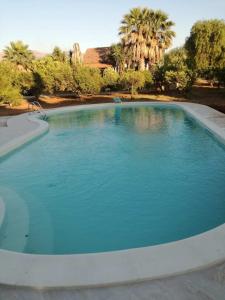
x=20 y=130
x=117 y=267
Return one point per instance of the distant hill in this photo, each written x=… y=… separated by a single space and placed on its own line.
x=37 y=54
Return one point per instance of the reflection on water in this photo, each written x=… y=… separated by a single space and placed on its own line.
x=117 y=115
x=139 y=118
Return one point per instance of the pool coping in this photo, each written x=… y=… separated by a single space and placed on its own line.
x=116 y=267
x=18 y=136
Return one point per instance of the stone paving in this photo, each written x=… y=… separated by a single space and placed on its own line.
x=208 y=284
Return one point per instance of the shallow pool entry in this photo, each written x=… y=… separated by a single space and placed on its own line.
x=119 y=177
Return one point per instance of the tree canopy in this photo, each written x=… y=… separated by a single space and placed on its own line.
x=19 y=54
x=206 y=45
x=133 y=80
x=145 y=34
x=56 y=76
x=86 y=80
x=110 y=77
x=9 y=92
x=176 y=59
x=118 y=57
x=59 y=55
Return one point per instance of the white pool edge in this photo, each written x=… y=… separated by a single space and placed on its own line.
x=21 y=138
x=117 y=267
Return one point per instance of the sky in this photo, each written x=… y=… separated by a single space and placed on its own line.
x=43 y=24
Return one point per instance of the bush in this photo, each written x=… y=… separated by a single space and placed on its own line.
x=24 y=81
x=133 y=80
x=9 y=92
x=159 y=77
x=176 y=59
x=55 y=76
x=86 y=80
x=110 y=78
x=174 y=74
x=180 y=80
x=148 y=79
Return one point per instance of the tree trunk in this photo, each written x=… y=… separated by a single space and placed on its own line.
x=141 y=66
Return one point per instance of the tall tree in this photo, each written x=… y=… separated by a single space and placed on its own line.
x=145 y=34
x=206 y=45
x=133 y=33
x=19 y=54
x=118 y=57
x=159 y=35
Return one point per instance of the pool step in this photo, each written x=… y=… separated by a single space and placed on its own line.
x=15 y=226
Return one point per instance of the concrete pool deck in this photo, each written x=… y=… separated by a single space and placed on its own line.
x=208 y=284
x=118 y=267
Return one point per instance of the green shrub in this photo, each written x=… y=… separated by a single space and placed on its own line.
x=24 y=81
x=159 y=77
x=174 y=74
x=133 y=80
x=110 y=78
x=86 y=80
x=55 y=76
x=180 y=80
x=9 y=92
x=176 y=59
x=148 y=79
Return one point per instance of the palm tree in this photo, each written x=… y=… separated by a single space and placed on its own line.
x=160 y=36
x=59 y=55
x=133 y=35
x=146 y=34
x=118 y=57
x=19 y=54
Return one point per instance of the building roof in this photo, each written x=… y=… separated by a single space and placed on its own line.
x=97 y=57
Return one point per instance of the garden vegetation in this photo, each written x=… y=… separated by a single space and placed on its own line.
x=139 y=61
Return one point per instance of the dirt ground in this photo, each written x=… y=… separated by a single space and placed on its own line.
x=201 y=93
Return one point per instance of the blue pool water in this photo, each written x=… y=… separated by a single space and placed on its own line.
x=114 y=178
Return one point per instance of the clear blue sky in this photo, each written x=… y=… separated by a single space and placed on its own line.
x=45 y=23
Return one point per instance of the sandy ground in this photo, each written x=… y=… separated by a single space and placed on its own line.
x=201 y=93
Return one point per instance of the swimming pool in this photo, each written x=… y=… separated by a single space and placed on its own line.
x=112 y=178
